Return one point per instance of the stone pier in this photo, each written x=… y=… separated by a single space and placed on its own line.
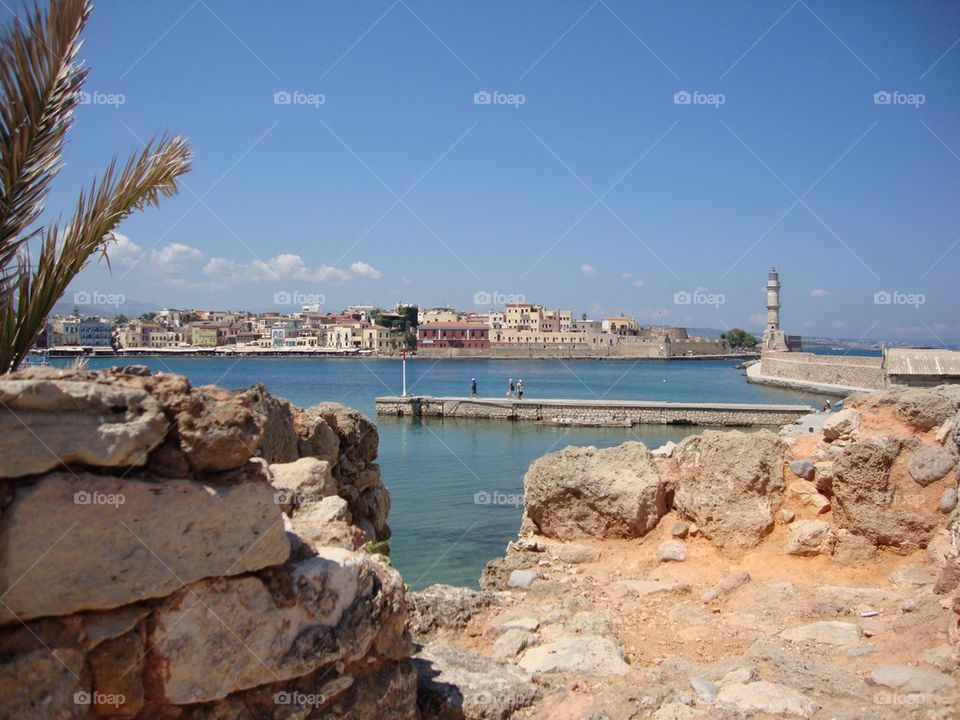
x=593 y=412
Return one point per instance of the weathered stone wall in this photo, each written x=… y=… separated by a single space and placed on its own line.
x=177 y=552
x=585 y=413
x=843 y=370
x=631 y=348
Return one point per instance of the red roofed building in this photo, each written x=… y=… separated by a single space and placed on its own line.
x=453 y=335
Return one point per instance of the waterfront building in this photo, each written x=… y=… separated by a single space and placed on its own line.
x=619 y=325
x=453 y=335
x=437 y=315
x=80 y=331
x=203 y=335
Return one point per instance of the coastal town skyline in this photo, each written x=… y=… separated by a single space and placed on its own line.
x=603 y=157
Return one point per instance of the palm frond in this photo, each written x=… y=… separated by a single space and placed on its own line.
x=147 y=176
x=39 y=87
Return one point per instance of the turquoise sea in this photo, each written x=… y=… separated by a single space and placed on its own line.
x=442 y=472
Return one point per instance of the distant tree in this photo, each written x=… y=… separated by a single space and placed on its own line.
x=148 y=316
x=40 y=86
x=739 y=338
x=120 y=319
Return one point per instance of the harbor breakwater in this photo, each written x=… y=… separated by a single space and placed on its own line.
x=594 y=412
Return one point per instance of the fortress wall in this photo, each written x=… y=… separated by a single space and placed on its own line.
x=857 y=371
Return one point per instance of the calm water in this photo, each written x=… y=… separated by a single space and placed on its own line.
x=435 y=468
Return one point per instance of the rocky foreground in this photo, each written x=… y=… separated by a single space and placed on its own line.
x=177 y=552
x=734 y=575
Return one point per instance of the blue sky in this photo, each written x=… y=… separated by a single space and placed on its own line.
x=586 y=183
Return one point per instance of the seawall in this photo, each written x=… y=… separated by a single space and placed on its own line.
x=838 y=374
x=593 y=412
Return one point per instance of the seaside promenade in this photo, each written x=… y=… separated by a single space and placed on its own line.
x=593 y=413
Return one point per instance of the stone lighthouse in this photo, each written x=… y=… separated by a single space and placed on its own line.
x=773 y=301
x=773 y=337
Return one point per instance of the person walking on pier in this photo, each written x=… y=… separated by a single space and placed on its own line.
x=510 y=388
x=520 y=389
x=473 y=386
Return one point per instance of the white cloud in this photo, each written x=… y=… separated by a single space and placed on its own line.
x=173 y=258
x=638 y=283
x=626 y=275
x=123 y=252
x=819 y=293
x=588 y=270
x=362 y=269
x=287 y=266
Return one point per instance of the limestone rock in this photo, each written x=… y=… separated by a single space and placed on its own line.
x=929 y=463
x=828 y=632
x=665 y=450
x=116 y=666
x=220 y=636
x=803 y=468
x=672 y=550
x=705 y=690
x=788 y=516
x=680 y=529
x=576 y=654
x=388 y=692
x=522 y=579
x=767 y=697
x=610 y=493
x=45 y=424
x=455 y=683
x=302 y=482
x=948 y=501
x=573 y=553
x=358 y=436
x=512 y=643
x=278 y=441
x=865 y=497
x=909 y=679
x=217 y=429
x=731 y=484
x=315 y=436
x=107 y=542
x=45 y=684
x=810 y=537
x=840 y=424
x=445 y=607
x=923 y=409
x=852 y=549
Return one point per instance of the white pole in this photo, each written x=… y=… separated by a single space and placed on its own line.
x=404 y=372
